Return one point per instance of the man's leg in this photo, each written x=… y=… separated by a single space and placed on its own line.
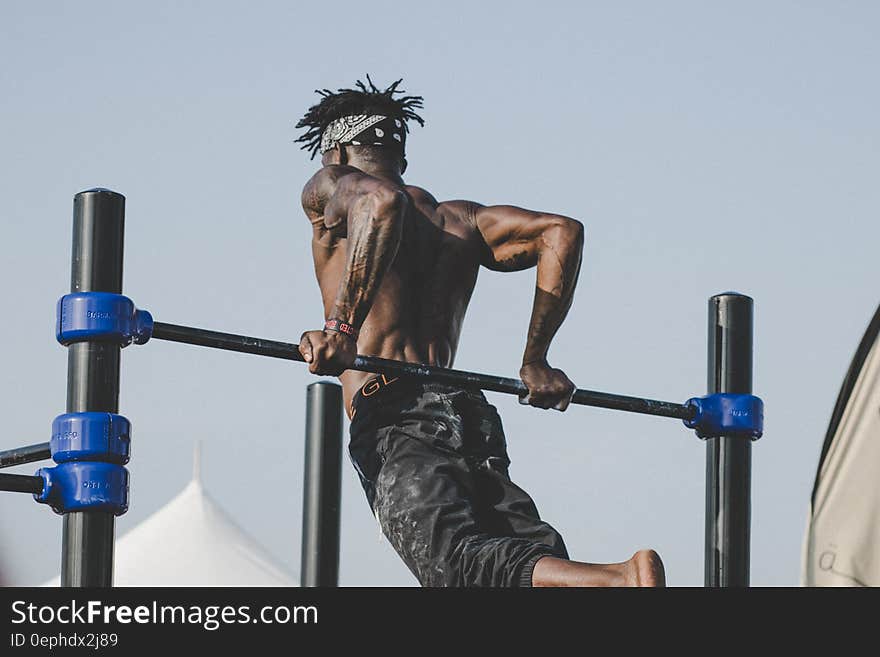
x=514 y=513
x=509 y=510
x=425 y=502
x=453 y=514
x=643 y=569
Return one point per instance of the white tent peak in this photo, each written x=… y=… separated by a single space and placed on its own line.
x=197 y=462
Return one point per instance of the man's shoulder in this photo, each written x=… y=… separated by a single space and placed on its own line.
x=322 y=185
x=463 y=210
x=330 y=174
x=420 y=195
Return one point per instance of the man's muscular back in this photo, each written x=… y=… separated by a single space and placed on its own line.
x=401 y=267
x=420 y=305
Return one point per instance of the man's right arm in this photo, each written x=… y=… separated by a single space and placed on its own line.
x=368 y=212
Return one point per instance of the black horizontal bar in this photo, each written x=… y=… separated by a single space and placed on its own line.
x=21 y=483
x=29 y=454
x=228 y=341
x=289 y=351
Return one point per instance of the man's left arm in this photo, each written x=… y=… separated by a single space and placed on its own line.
x=518 y=239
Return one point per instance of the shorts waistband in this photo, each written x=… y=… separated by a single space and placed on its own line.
x=382 y=386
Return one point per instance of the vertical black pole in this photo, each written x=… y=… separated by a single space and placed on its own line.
x=729 y=459
x=322 y=481
x=93 y=373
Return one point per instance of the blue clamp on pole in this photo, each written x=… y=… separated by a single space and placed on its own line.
x=101 y=316
x=727 y=414
x=91 y=436
x=90 y=449
x=84 y=486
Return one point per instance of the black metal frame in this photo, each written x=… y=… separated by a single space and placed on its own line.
x=729 y=458
x=15 y=483
x=288 y=351
x=93 y=373
x=21 y=455
x=93 y=385
x=322 y=485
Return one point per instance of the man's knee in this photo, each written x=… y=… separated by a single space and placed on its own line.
x=493 y=561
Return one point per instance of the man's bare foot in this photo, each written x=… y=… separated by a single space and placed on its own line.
x=644 y=569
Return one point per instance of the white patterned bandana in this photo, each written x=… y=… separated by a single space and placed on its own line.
x=364 y=130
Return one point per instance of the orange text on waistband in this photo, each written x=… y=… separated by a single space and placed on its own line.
x=373 y=386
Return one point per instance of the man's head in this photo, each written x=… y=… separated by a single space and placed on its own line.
x=365 y=125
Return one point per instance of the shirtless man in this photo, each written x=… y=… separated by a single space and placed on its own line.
x=396 y=269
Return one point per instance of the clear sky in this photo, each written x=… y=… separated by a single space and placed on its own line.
x=705 y=146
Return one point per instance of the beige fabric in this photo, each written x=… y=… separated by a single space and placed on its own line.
x=842 y=542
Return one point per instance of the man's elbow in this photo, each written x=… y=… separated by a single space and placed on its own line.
x=577 y=229
x=570 y=230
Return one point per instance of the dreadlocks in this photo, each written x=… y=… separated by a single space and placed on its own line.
x=361 y=100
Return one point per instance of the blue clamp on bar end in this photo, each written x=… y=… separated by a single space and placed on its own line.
x=727 y=414
x=84 y=486
x=101 y=316
x=91 y=436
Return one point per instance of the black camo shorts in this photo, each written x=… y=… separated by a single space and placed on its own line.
x=433 y=463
